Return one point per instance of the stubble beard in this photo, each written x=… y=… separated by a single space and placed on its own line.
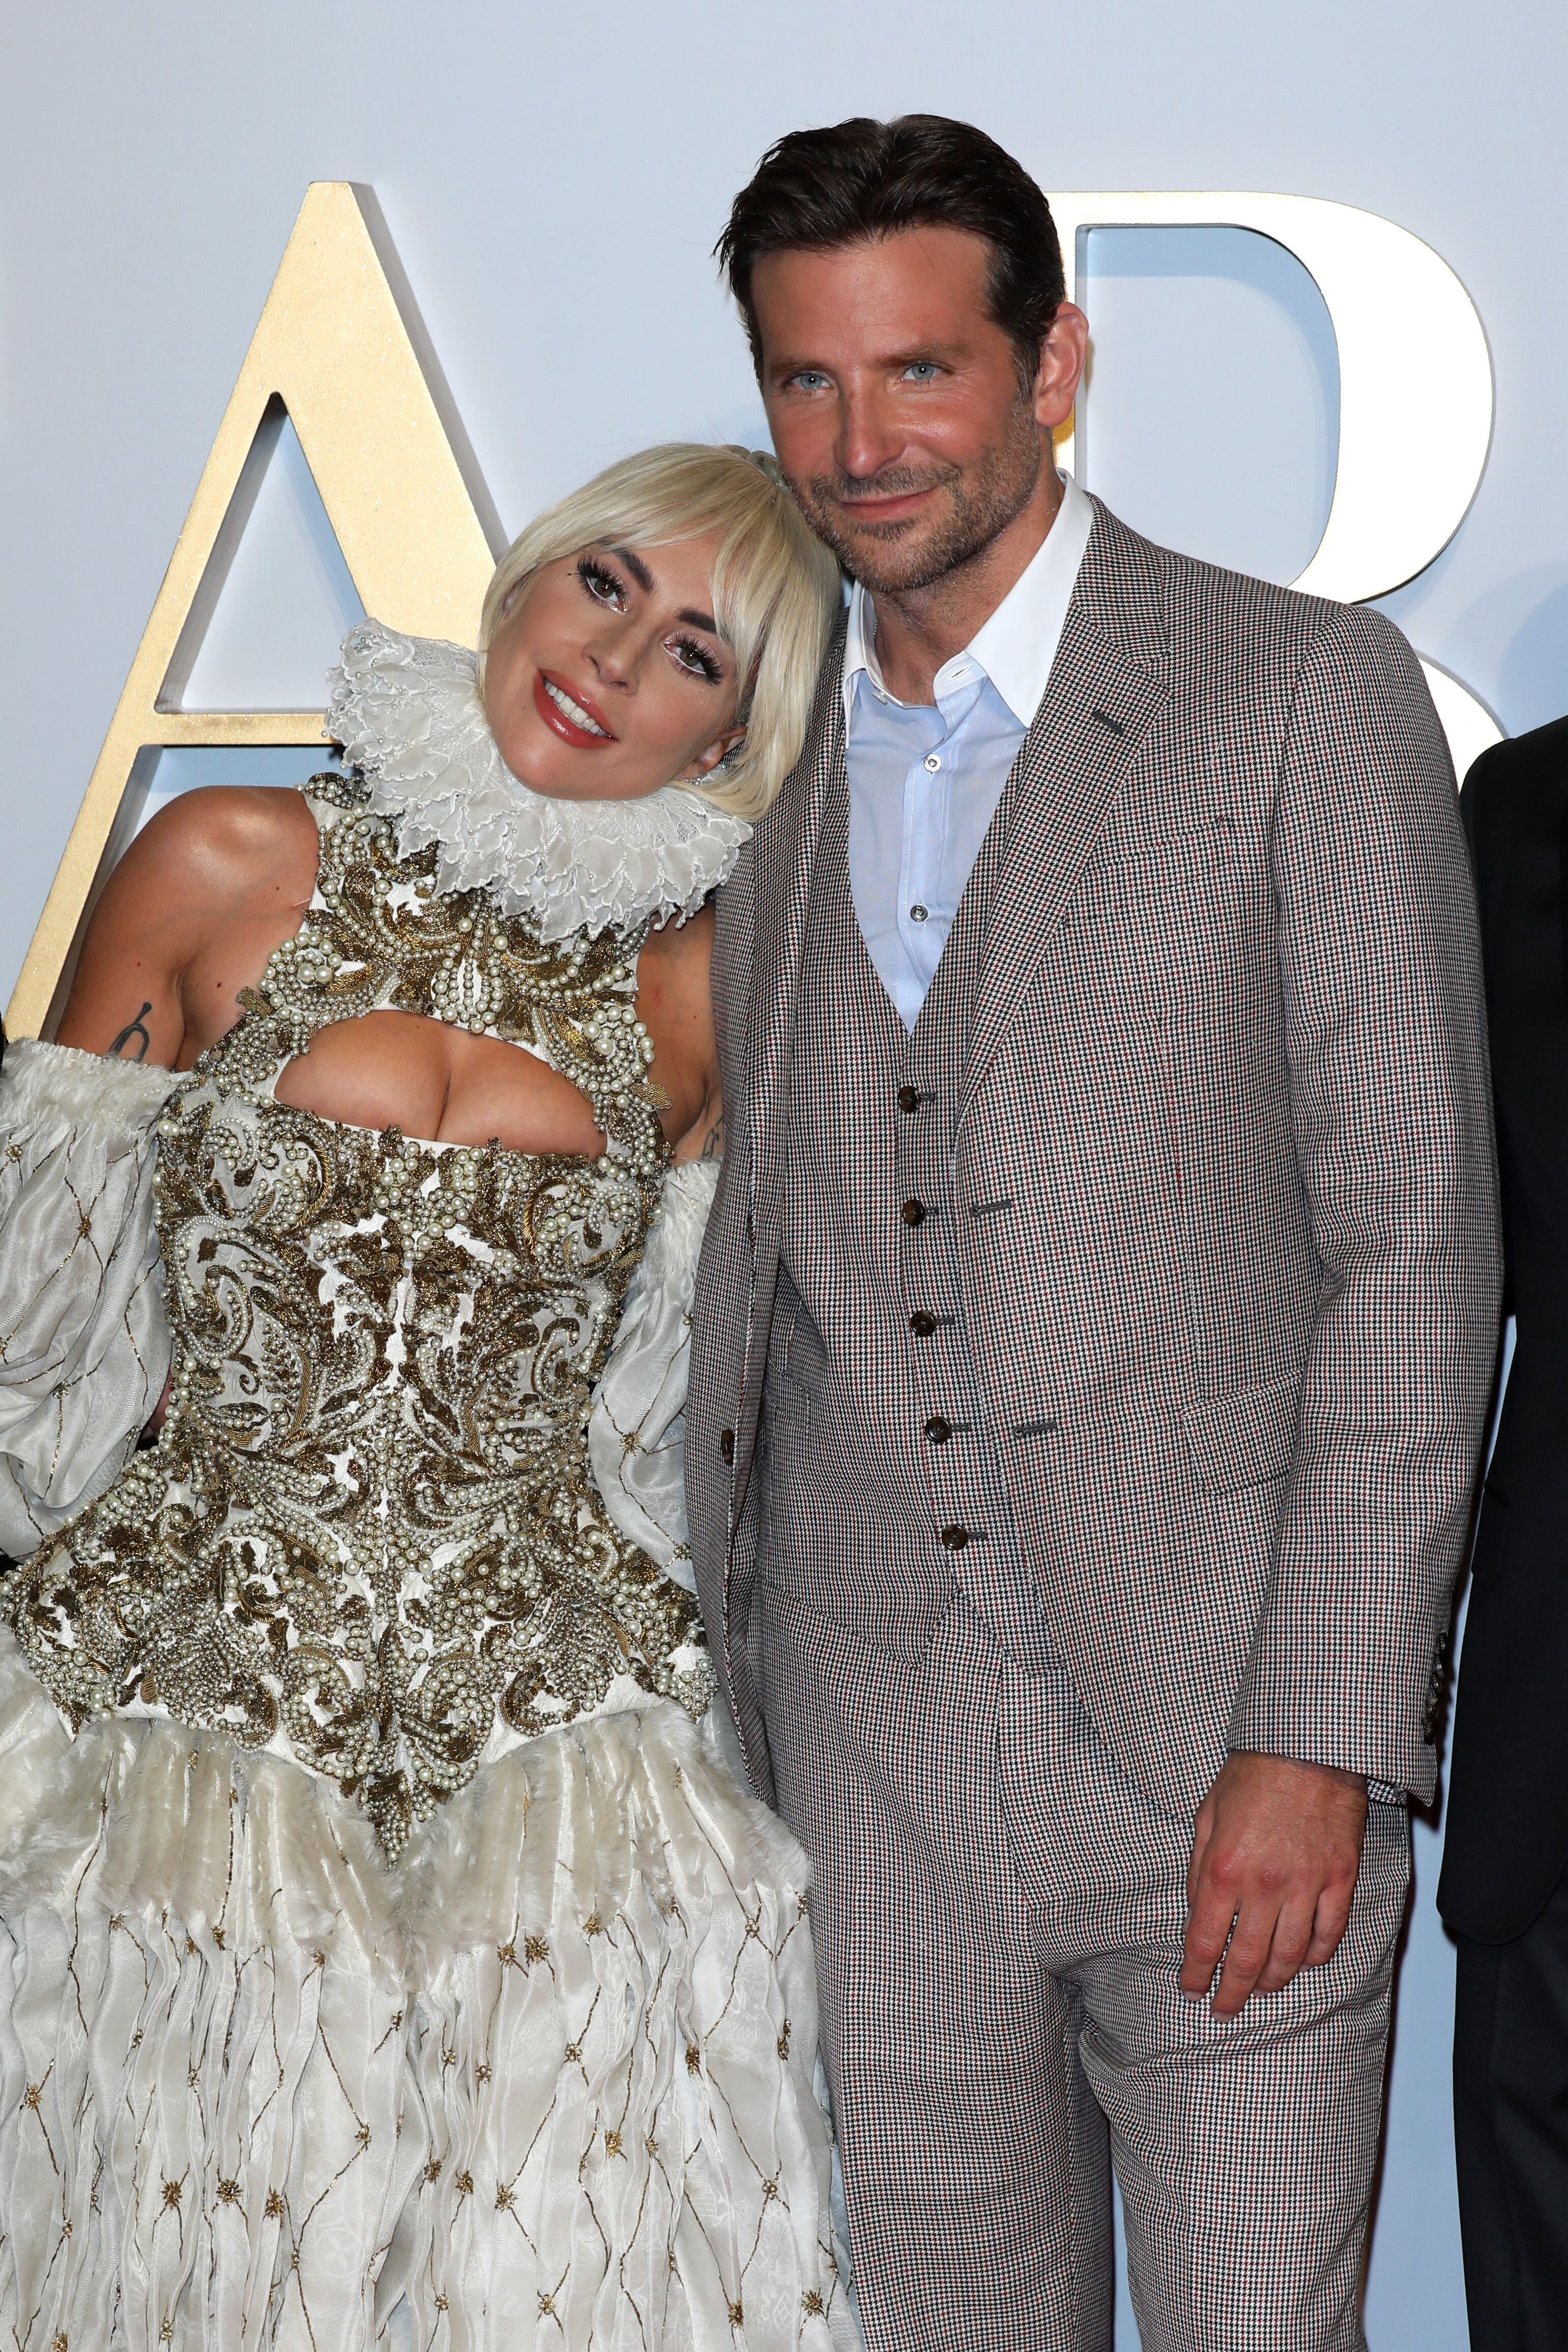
x=901 y=558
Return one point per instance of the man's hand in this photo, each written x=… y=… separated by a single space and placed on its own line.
x=1275 y=1852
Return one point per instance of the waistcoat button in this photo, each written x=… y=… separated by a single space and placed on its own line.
x=954 y=1537
x=938 y=1429
x=909 y=1098
x=913 y=1213
x=726 y=1444
x=922 y=1324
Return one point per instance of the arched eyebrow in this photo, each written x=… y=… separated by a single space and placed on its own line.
x=636 y=567
x=645 y=578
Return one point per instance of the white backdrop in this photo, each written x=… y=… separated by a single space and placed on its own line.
x=553 y=180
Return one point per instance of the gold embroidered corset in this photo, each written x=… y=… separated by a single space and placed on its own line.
x=368 y=1535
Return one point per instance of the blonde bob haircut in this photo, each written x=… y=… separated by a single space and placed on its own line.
x=776 y=590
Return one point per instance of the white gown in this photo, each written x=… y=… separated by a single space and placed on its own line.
x=388 y=1951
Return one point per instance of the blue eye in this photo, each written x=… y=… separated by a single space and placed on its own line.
x=808 y=379
x=923 y=370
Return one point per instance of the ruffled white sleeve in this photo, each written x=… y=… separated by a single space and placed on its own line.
x=637 y=1428
x=84 y=1343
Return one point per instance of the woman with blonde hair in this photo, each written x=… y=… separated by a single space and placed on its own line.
x=382 y=1930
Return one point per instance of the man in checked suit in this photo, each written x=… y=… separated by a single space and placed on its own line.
x=1094 y=1327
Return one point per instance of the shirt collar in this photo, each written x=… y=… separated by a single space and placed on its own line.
x=1016 y=644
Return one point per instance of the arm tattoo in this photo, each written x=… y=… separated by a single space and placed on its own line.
x=712 y=1141
x=137 y=1028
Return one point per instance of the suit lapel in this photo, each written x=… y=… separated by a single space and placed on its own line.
x=785 y=851
x=786 y=855
x=1107 y=688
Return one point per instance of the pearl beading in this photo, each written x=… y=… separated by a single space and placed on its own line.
x=369 y=1535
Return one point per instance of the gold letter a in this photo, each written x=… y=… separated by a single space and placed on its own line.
x=339 y=347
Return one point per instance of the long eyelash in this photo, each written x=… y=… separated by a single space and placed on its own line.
x=597 y=577
x=602 y=583
x=700 y=660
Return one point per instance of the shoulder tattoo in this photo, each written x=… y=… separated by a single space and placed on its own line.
x=138 y=1029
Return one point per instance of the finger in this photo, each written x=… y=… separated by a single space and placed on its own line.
x=1202 y=1830
x=1329 y=1923
x=1244 y=1962
x=1209 y=1923
x=1292 y=1941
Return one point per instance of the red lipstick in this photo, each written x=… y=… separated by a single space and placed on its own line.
x=559 y=721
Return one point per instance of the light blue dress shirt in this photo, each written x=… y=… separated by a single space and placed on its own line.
x=925 y=778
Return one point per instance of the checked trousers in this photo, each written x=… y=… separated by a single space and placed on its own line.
x=998 y=1913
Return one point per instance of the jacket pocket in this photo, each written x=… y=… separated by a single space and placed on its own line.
x=1492 y=1541
x=797 y=1368
x=804 y=1358
x=1244 y=1439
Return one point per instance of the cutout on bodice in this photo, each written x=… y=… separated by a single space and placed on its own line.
x=441 y=1083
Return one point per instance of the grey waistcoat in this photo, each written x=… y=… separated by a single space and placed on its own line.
x=884 y=1487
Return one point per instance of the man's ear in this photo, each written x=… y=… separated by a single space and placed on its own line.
x=1062 y=353
x=719 y=749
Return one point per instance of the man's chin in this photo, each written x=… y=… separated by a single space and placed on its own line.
x=896 y=572
x=892 y=559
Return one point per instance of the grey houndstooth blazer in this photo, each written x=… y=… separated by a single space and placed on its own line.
x=1227 y=1071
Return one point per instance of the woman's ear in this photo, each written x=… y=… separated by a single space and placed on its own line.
x=719 y=749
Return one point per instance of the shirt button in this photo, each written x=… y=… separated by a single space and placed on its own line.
x=909 y=1098
x=913 y=1213
x=938 y=1429
x=918 y=914
x=954 y=1537
x=933 y=762
x=922 y=1323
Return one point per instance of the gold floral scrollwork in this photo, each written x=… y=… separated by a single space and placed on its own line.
x=368 y=1529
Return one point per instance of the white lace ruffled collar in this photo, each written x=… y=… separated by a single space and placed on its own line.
x=407 y=711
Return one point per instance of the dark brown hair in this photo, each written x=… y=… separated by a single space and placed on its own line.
x=820 y=189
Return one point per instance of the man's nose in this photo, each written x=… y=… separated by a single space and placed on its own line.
x=868 y=437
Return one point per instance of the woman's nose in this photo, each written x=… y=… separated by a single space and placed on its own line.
x=612 y=653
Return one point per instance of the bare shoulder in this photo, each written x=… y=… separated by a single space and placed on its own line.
x=204 y=855
x=674 y=992
x=227 y=838
x=684 y=948
x=673 y=975
x=212 y=867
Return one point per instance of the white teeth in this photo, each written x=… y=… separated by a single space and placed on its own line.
x=574 y=710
